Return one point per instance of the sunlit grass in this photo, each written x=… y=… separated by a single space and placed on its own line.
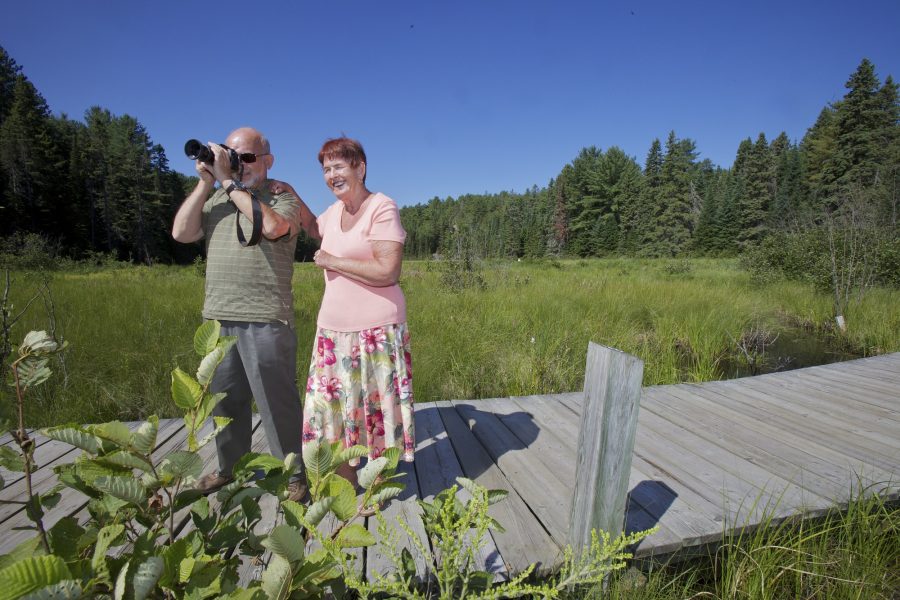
x=852 y=553
x=525 y=333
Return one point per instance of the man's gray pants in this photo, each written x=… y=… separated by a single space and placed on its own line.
x=261 y=366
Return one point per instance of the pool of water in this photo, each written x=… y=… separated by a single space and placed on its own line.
x=794 y=348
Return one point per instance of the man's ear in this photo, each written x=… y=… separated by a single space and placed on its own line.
x=270 y=160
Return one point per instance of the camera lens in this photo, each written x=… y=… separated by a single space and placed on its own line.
x=194 y=150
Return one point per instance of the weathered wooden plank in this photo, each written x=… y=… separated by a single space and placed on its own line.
x=609 y=418
x=882 y=394
x=814 y=395
x=437 y=469
x=881 y=368
x=525 y=541
x=853 y=437
x=775 y=451
x=742 y=502
x=45 y=456
x=378 y=561
x=877 y=403
x=709 y=510
x=541 y=455
x=554 y=445
x=881 y=429
x=540 y=488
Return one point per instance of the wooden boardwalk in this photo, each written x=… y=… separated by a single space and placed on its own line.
x=708 y=457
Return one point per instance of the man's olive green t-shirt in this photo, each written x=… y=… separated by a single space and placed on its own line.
x=251 y=283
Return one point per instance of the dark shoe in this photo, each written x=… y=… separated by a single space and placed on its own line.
x=213 y=482
x=298 y=491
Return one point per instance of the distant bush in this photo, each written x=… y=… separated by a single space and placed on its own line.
x=28 y=251
x=679 y=267
x=805 y=256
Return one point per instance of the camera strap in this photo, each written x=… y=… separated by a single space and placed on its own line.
x=256 y=234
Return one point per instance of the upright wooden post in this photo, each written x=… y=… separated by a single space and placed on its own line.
x=609 y=415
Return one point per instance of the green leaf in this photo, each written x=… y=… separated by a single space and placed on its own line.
x=354 y=536
x=208 y=365
x=220 y=422
x=344 y=505
x=33 y=372
x=74 y=435
x=347 y=454
x=26 y=549
x=186 y=392
x=64 y=536
x=207 y=404
x=245 y=594
x=186 y=498
x=276 y=579
x=206 y=337
x=293 y=513
x=186 y=568
x=123 y=458
x=31 y=574
x=386 y=492
x=470 y=486
x=37 y=342
x=317 y=458
x=124 y=488
x=318 y=510
x=107 y=537
x=371 y=471
x=182 y=464
x=494 y=496
x=287 y=542
x=121 y=583
x=392 y=455
x=253 y=461
x=68 y=589
x=114 y=431
x=146 y=575
x=11 y=460
x=144 y=439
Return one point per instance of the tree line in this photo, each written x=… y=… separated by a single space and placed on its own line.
x=103 y=186
x=98 y=186
x=605 y=203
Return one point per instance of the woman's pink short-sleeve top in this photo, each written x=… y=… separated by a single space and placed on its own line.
x=348 y=304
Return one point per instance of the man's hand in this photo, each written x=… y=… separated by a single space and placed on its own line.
x=203 y=172
x=221 y=167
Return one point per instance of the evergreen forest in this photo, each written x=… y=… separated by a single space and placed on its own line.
x=101 y=186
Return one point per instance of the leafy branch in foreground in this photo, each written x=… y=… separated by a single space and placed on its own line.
x=458 y=531
x=149 y=534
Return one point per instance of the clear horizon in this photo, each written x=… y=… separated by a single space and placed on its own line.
x=452 y=99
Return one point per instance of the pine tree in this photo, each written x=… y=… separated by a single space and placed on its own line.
x=753 y=204
x=28 y=158
x=676 y=219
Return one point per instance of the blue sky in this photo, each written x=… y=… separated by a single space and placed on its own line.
x=453 y=97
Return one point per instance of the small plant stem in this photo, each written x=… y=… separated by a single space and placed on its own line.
x=26 y=444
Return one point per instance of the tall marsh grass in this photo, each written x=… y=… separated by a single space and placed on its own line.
x=852 y=553
x=525 y=332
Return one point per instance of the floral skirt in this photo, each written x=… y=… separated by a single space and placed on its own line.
x=360 y=390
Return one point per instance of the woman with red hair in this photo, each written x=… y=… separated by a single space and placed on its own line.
x=360 y=377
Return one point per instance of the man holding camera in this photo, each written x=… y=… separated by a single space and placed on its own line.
x=248 y=290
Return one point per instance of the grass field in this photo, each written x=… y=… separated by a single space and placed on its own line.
x=525 y=332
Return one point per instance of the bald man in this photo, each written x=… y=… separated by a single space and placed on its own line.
x=248 y=290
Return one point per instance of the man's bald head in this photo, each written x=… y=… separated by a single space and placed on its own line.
x=249 y=140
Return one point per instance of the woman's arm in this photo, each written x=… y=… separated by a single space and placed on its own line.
x=381 y=271
x=307 y=219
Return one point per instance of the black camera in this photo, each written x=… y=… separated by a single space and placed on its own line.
x=194 y=150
